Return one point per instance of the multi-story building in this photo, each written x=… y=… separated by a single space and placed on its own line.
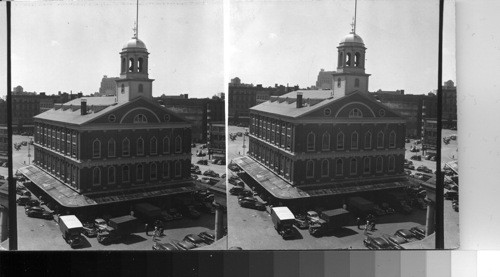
x=325 y=79
x=108 y=86
x=4 y=143
x=429 y=142
x=27 y=105
x=449 y=91
x=243 y=96
x=327 y=142
x=216 y=140
x=98 y=150
x=198 y=111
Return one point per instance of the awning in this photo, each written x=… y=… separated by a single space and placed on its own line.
x=281 y=189
x=69 y=198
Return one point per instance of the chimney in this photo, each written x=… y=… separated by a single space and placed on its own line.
x=83 y=108
x=299 y=99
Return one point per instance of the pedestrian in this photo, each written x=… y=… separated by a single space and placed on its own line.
x=146 y=227
x=367 y=226
x=358 y=221
x=373 y=225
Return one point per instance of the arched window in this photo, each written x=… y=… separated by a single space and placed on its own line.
x=380 y=139
x=131 y=65
x=96 y=180
x=392 y=163
x=392 y=139
x=339 y=168
x=366 y=165
x=356 y=83
x=140 y=118
x=178 y=144
x=140 y=64
x=380 y=164
x=96 y=149
x=140 y=147
x=355 y=113
x=357 y=62
x=141 y=88
x=354 y=166
x=153 y=171
x=340 y=141
x=339 y=82
x=125 y=174
x=326 y=141
x=152 y=146
x=123 y=64
x=125 y=147
x=354 y=140
x=111 y=148
x=348 y=59
x=325 y=168
x=166 y=145
x=166 y=169
x=178 y=169
x=111 y=175
x=311 y=138
x=368 y=140
x=139 y=176
x=309 y=169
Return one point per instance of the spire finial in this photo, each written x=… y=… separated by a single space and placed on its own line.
x=354 y=21
x=136 y=27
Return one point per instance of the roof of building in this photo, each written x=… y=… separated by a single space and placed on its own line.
x=352 y=38
x=134 y=43
x=311 y=100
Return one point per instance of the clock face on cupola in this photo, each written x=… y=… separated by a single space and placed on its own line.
x=134 y=80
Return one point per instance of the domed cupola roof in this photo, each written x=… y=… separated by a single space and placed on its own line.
x=352 y=38
x=134 y=43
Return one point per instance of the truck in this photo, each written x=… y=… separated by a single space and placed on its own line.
x=283 y=220
x=118 y=228
x=71 y=229
x=329 y=220
x=147 y=212
x=361 y=207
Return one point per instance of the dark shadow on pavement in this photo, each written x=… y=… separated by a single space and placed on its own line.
x=85 y=243
x=132 y=238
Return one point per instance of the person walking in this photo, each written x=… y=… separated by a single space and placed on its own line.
x=358 y=221
x=146 y=227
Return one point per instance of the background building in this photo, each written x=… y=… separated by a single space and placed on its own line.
x=4 y=145
x=429 y=142
x=108 y=86
x=449 y=91
x=216 y=140
x=325 y=79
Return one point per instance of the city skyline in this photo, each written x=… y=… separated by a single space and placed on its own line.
x=184 y=40
x=292 y=46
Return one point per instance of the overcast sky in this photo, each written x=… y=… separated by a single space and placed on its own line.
x=64 y=46
x=290 y=41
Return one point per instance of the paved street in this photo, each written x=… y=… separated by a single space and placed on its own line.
x=41 y=234
x=251 y=229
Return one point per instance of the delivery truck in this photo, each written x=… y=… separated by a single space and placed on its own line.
x=118 y=228
x=329 y=221
x=360 y=207
x=283 y=220
x=147 y=212
x=71 y=229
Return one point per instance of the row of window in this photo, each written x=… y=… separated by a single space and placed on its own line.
x=139 y=173
x=280 y=164
x=62 y=140
x=325 y=141
x=275 y=132
x=153 y=147
x=59 y=167
x=353 y=166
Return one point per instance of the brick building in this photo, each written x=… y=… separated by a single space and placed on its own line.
x=100 y=150
x=4 y=143
x=327 y=143
x=325 y=79
x=217 y=140
x=108 y=86
x=449 y=91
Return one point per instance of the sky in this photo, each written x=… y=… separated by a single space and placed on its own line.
x=70 y=45
x=280 y=42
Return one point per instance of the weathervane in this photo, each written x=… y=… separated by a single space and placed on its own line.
x=136 y=23
x=354 y=19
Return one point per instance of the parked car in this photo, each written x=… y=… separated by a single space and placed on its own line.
x=176 y=214
x=21 y=201
x=377 y=243
x=416 y=157
x=165 y=216
x=418 y=231
x=233 y=167
x=195 y=239
x=236 y=190
x=191 y=212
x=406 y=234
x=424 y=168
x=232 y=179
x=32 y=203
x=312 y=216
x=185 y=245
x=251 y=203
x=208 y=237
x=396 y=240
x=451 y=195
x=301 y=221
x=89 y=232
x=202 y=162
x=168 y=246
x=100 y=224
x=245 y=193
x=211 y=173
x=38 y=212
x=200 y=154
x=196 y=171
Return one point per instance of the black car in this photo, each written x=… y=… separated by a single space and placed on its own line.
x=38 y=212
x=89 y=232
x=21 y=201
x=236 y=190
x=406 y=234
x=211 y=173
x=451 y=195
x=32 y=203
x=396 y=240
x=301 y=222
x=377 y=243
x=208 y=237
x=202 y=162
x=165 y=246
x=251 y=203
x=418 y=231
x=233 y=167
